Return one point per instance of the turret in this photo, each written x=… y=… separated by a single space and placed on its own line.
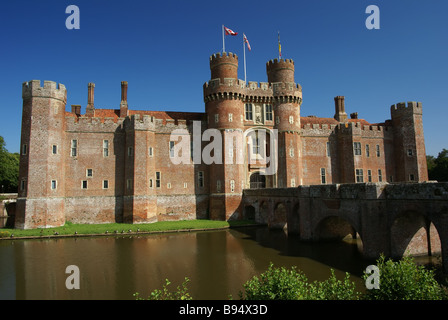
x=42 y=173
x=409 y=144
x=280 y=70
x=224 y=66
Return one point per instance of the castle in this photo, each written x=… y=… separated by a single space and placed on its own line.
x=115 y=165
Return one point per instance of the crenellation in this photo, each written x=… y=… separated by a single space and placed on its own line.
x=50 y=89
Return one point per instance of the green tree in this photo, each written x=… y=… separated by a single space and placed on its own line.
x=405 y=280
x=438 y=167
x=9 y=169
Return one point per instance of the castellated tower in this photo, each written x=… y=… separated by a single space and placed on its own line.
x=287 y=98
x=409 y=144
x=40 y=200
x=223 y=96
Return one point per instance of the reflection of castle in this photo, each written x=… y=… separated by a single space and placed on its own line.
x=112 y=165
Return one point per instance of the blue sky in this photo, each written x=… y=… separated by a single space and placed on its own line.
x=162 y=49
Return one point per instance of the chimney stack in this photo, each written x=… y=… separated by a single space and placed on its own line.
x=90 y=109
x=124 y=99
x=339 y=104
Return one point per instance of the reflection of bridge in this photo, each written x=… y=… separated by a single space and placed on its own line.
x=389 y=218
x=7 y=209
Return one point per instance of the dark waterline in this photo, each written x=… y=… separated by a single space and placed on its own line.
x=218 y=263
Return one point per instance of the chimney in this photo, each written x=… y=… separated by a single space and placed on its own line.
x=339 y=104
x=124 y=99
x=76 y=109
x=90 y=109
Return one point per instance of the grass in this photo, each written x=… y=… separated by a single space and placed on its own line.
x=121 y=228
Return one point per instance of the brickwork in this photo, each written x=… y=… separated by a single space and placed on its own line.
x=114 y=165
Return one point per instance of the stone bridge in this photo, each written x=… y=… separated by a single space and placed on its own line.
x=393 y=219
x=7 y=209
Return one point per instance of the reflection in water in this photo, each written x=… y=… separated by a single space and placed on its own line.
x=218 y=263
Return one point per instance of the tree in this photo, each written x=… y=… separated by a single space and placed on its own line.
x=438 y=167
x=9 y=169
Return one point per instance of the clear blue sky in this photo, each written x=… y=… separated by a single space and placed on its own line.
x=162 y=49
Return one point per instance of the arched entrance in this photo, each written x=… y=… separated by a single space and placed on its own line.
x=249 y=212
x=412 y=233
x=257 y=180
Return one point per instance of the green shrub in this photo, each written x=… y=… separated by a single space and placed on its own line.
x=405 y=280
x=4 y=234
x=164 y=294
x=283 y=284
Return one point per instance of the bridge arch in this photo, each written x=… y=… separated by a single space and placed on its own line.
x=413 y=233
x=278 y=220
x=249 y=212
x=334 y=227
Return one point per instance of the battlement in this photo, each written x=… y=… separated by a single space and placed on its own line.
x=50 y=89
x=282 y=63
x=225 y=56
x=403 y=108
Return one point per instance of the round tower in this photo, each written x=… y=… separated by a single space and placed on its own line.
x=223 y=66
x=287 y=98
x=223 y=97
x=280 y=70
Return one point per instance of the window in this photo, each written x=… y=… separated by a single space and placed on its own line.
x=411 y=177
x=248 y=111
x=158 y=178
x=84 y=184
x=54 y=149
x=359 y=175
x=277 y=120
x=367 y=151
x=54 y=184
x=74 y=148
x=200 y=179
x=216 y=118
x=380 y=176
x=150 y=151
x=323 y=176
x=168 y=185
x=293 y=182
x=291 y=119
x=105 y=148
x=130 y=151
x=391 y=178
x=89 y=173
x=105 y=184
x=328 y=149
x=291 y=152
x=129 y=184
x=22 y=185
x=24 y=149
x=218 y=185
x=230 y=117
x=357 y=148
x=378 y=154
x=171 y=149
x=369 y=175
x=268 y=109
x=255 y=145
x=150 y=183
x=410 y=153
x=232 y=185
x=185 y=185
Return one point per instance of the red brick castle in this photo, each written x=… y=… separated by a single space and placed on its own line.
x=114 y=165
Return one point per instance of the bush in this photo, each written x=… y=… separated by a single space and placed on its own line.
x=163 y=294
x=404 y=280
x=283 y=284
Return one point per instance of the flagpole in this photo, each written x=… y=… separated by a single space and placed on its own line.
x=244 y=50
x=223 y=43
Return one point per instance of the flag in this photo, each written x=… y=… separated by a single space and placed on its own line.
x=230 y=32
x=279 y=46
x=246 y=41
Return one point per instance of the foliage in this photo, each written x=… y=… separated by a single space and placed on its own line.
x=438 y=167
x=284 y=284
x=5 y=234
x=405 y=280
x=9 y=169
x=164 y=294
x=334 y=289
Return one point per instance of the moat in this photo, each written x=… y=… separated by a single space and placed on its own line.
x=218 y=263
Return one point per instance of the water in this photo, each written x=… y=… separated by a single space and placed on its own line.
x=218 y=263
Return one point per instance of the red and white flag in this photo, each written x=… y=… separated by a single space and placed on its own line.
x=246 y=41
x=230 y=32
